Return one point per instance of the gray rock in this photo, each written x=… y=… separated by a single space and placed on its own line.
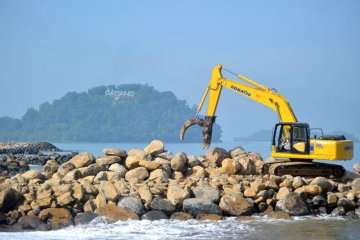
x=163 y=205
x=8 y=198
x=195 y=206
x=325 y=184
x=352 y=215
x=207 y=193
x=292 y=204
x=339 y=211
x=154 y=215
x=319 y=201
x=179 y=162
x=85 y=218
x=346 y=203
x=118 y=168
x=132 y=204
x=357 y=211
x=32 y=223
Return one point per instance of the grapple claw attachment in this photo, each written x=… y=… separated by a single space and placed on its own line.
x=206 y=126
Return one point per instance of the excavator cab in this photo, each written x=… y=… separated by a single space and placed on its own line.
x=291 y=137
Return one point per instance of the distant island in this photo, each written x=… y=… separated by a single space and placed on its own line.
x=265 y=135
x=123 y=113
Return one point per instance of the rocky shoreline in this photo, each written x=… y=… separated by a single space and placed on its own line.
x=15 y=157
x=154 y=184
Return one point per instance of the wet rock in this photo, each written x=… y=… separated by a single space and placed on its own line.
x=217 y=155
x=207 y=193
x=292 y=204
x=154 y=215
x=154 y=148
x=339 y=211
x=56 y=217
x=82 y=160
x=279 y=215
x=107 y=160
x=139 y=173
x=85 y=218
x=32 y=223
x=325 y=184
x=163 y=205
x=8 y=198
x=319 y=201
x=114 y=152
x=346 y=203
x=114 y=213
x=209 y=217
x=235 y=204
x=181 y=216
x=133 y=204
x=195 y=206
x=178 y=162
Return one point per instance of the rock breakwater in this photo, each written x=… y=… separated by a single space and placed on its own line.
x=153 y=183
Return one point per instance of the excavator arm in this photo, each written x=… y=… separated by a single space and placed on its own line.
x=249 y=89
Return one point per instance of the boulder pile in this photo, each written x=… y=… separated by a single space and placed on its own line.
x=153 y=184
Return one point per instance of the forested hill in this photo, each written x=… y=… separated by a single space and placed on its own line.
x=124 y=113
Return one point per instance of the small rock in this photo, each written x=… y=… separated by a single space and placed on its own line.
x=332 y=198
x=154 y=215
x=65 y=168
x=356 y=167
x=311 y=189
x=65 y=199
x=279 y=215
x=298 y=182
x=91 y=170
x=319 y=201
x=355 y=185
x=114 y=152
x=33 y=174
x=132 y=204
x=195 y=206
x=339 y=211
x=114 y=213
x=236 y=152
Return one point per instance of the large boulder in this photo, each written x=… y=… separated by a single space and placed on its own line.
x=292 y=204
x=33 y=174
x=196 y=206
x=154 y=148
x=325 y=184
x=91 y=170
x=82 y=160
x=237 y=152
x=51 y=166
x=114 y=152
x=65 y=168
x=177 y=194
x=114 y=213
x=235 y=204
x=139 y=173
x=8 y=198
x=217 y=155
x=107 y=160
x=109 y=191
x=163 y=205
x=56 y=217
x=248 y=166
x=207 y=193
x=230 y=166
x=154 y=215
x=118 y=168
x=133 y=204
x=179 y=161
x=355 y=185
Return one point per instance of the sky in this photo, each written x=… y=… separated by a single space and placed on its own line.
x=308 y=50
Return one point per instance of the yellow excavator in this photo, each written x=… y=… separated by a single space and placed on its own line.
x=292 y=146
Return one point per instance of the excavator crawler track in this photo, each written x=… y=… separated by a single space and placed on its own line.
x=303 y=168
